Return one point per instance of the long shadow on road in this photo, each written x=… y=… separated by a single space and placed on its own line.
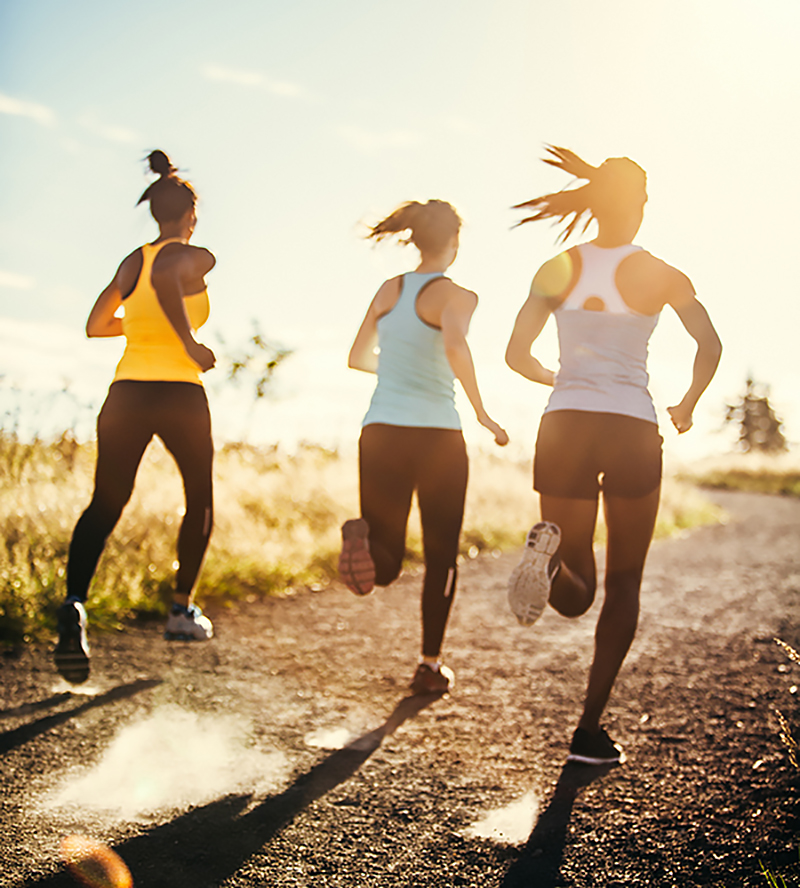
x=208 y=844
x=11 y=739
x=540 y=862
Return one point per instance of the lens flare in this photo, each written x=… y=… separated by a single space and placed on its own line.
x=554 y=277
x=94 y=864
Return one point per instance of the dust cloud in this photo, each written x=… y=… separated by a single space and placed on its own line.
x=172 y=759
x=510 y=825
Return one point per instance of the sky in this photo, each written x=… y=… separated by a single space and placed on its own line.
x=300 y=123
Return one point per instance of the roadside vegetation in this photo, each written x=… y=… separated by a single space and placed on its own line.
x=277 y=519
x=757 y=472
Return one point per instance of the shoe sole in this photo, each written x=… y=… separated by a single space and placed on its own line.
x=529 y=584
x=353 y=531
x=590 y=760
x=184 y=636
x=72 y=666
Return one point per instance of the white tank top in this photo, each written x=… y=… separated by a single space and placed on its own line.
x=602 y=342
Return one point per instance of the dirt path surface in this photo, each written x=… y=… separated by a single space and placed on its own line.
x=286 y=752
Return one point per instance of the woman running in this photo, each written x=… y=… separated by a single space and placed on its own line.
x=411 y=436
x=599 y=431
x=156 y=391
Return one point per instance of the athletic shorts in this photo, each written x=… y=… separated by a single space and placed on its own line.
x=580 y=453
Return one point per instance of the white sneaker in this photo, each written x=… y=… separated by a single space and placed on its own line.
x=188 y=624
x=530 y=583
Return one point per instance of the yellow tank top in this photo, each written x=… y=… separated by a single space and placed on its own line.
x=153 y=350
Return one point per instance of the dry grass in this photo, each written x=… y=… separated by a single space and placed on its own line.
x=277 y=519
x=753 y=472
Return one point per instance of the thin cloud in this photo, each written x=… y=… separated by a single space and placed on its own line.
x=369 y=141
x=108 y=131
x=33 y=110
x=14 y=281
x=253 y=79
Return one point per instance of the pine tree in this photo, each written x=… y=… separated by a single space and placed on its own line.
x=759 y=428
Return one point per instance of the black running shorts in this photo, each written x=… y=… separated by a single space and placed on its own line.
x=580 y=453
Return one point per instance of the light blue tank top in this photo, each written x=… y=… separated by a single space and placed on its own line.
x=415 y=381
x=602 y=353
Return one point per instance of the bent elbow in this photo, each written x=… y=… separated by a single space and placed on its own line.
x=511 y=358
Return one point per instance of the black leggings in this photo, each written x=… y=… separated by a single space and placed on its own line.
x=132 y=414
x=394 y=461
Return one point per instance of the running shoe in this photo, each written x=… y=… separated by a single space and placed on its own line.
x=594 y=749
x=188 y=624
x=356 y=567
x=72 y=650
x=432 y=681
x=530 y=583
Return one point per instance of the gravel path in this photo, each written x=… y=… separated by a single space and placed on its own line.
x=286 y=753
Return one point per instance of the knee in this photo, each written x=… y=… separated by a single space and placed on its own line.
x=572 y=595
x=573 y=606
x=623 y=586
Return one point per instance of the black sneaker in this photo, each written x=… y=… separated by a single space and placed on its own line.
x=72 y=650
x=594 y=749
x=432 y=681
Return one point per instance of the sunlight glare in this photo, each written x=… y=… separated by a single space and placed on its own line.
x=509 y=825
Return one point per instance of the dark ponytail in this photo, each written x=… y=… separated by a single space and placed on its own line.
x=431 y=225
x=612 y=188
x=170 y=196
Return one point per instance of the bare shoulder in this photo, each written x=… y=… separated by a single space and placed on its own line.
x=452 y=290
x=676 y=286
x=386 y=297
x=129 y=270
x=654 y=280
x=557 y=276
x=184 y=259
x=132 y=258
x=203 y=259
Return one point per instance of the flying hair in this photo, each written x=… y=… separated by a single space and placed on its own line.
x=169 y=196
x=612 y=187
x=432 y=225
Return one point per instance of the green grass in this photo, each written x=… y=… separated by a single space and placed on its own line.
x=750 y=472
x=277 y=519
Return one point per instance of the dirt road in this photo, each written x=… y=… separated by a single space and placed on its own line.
x=286 y=753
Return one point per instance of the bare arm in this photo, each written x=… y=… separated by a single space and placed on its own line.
x=529 y=324
x=102 y=320
x=698 y=325
x=550 y=285
x=455 y=319
x=168 y=282
x=363 y=355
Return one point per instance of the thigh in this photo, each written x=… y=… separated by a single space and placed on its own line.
x=630 y=522
x=183 y=423
x=630 y=456
x=123 y=433
x=566 y=463
x=441 y=475
x=386 y=484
